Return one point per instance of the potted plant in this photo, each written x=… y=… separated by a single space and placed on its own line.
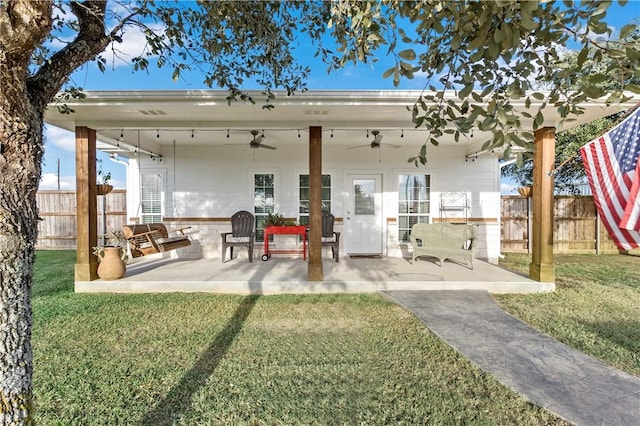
x=525 y=191
x=281 y=241
x=102 y=184
x=276 y=219
x=112 y=257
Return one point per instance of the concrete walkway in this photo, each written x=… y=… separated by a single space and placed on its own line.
x=566 y=382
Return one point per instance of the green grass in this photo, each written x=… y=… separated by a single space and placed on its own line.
x=198 y=359
x=595 y=308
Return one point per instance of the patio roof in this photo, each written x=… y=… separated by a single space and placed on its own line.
x=153 y=119
x=283 y=275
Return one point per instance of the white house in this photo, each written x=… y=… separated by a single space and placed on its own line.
x=193 y=160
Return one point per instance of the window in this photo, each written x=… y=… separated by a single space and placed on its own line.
x=365 y=197
x=303 y=210
x=151 y=198
x=414 y=203
x=263 y=200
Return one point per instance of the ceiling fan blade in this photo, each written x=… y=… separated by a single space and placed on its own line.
x=261 y=145
x=390 y=145
x=359 y=146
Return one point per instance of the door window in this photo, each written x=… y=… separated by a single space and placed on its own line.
x=364 y=191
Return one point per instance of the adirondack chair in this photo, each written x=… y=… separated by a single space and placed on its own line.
x=330 y=238
x=152 y=238
x=242 y=234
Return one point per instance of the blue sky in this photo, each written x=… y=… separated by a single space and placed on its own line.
x=60 y=144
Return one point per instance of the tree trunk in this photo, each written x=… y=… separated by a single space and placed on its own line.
x=24 y=24
x=21 y=149
x=21 y=139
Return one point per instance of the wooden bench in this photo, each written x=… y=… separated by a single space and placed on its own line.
x=152 y=238
x=443 y=241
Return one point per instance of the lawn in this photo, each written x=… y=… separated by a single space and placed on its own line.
x=199 y=359
x=595 y=308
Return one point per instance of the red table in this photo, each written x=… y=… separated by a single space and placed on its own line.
x=285 y=230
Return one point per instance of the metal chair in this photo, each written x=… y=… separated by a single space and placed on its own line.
x=242 y=234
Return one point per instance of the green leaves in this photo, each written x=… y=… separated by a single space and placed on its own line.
x=627 y=30
x=408 y=54
x=492 y=55
x=496 y=53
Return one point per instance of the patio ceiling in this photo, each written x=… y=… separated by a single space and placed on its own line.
x=204 y=117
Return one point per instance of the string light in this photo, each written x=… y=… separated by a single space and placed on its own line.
x=298 y=133
x=227 y=134
x=158 y=134
x=331 y=132
x=402 y=133
x=192 y=134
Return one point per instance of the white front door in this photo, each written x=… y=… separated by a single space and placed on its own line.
x=363 y=218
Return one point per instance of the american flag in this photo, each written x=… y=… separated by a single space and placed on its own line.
x=612 y=163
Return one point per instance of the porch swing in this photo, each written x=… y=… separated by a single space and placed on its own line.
x=150 y=238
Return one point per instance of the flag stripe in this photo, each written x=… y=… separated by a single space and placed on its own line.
x=631 y=218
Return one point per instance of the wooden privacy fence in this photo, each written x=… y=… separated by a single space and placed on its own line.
x=577 y=227
x=57 y=229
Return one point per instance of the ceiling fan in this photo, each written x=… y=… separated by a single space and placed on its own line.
x=257 y=141
x=376 y=142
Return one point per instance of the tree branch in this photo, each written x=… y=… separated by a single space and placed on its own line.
x=90 y=41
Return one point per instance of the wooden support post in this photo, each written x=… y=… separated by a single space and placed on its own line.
x=542 y=268
x=86 y=205
x=315 y=271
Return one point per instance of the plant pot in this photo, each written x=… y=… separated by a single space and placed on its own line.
x=104 y=189
x=111 y=265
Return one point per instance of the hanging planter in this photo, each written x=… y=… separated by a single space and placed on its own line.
x=526 y=191
x=103 y=189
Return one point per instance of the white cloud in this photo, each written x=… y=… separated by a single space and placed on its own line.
x=133 y=44
x=61 y=138
x=50 y=181
x=508 y=188
x=118 y=184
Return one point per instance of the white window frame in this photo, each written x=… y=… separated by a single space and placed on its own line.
x=422 y=217
x=162 y=175
x=259 y=234
x=299 y=200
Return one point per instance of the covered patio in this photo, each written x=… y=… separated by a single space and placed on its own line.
x=192 y=159
x=288 y=275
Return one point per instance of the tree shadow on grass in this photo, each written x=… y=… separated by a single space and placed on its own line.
x=179 y=399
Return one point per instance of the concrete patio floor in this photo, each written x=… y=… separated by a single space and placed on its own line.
x=282 y=275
